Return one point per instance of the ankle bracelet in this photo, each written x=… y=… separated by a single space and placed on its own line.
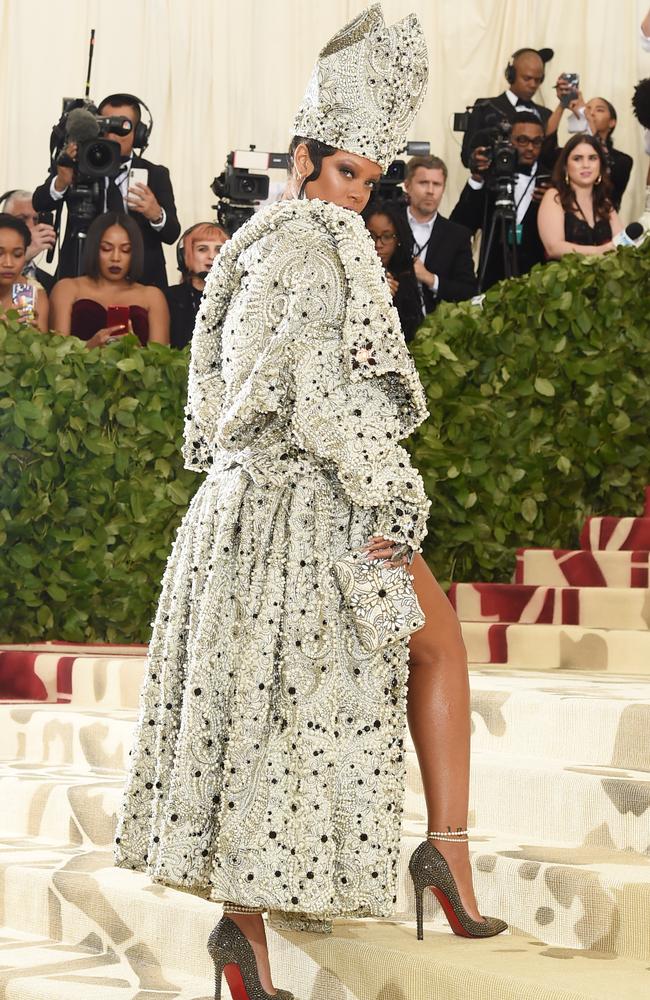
x=451 y=836
x=229 y=907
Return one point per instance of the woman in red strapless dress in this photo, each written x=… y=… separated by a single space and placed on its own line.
x=112 y=264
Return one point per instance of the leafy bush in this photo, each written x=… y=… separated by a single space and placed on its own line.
x=540 y=411
x=92 y=485
x=540 y=415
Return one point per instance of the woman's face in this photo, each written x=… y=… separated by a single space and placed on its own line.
x=383 y=232
x=201 y=251
x=597 y=114
x=115 y=254
x=12 y=256
x=345 y=179
x=583 y=165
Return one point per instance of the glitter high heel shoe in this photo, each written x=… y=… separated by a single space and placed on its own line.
x=233 y=957
x=429 y=870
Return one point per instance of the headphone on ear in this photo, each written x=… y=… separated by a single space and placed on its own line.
x=180 y=246
x=142 y=131
x=511 y=71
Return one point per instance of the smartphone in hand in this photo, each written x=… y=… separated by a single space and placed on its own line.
x=23 y=297
x=118 y=316
x=573 y=80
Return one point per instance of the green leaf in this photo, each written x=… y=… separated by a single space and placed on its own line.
x=544 y=387
x=529 y=510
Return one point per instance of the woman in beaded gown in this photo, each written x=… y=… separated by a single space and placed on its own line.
x=269 y=760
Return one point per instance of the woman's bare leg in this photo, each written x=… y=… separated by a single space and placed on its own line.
x=439 y=721
x=252 y=925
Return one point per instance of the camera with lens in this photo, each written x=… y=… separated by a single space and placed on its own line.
x=238 y=190
x=97 y=157
x=503 y=160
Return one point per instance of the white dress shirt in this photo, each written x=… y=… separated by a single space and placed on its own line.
x=421 y=236
x=523 y=194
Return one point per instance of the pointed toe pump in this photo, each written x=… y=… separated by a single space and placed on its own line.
x=234 y=958
x=429 y=870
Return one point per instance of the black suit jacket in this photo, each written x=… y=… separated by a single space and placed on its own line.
x=494 y=106
x=475 y=209
x=155 y=272
x=46 y=279
x=449 y=255
x=183 y=301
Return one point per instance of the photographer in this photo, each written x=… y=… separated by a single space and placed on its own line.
x=150 y=204
x=477 y=202
x=19 y=204
x=525 y=75
x=393 y=243
x=596 y=117
x=442 y=254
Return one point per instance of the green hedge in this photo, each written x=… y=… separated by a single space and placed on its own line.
x=540 y=414
x=540 y=411
x=92 y=486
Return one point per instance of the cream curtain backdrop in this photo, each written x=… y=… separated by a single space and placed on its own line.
x=220 y=75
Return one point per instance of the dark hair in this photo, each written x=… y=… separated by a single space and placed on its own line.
x=528 y=118
x=8 y=221
x=120 y=101
x=90 y=264
x=402 y=258
x=601 y=192
x=641 y=102
x=612 y=114
x=428 y=162
x=317 y=153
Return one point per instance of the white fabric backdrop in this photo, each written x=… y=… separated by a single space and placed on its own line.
x=219 y=75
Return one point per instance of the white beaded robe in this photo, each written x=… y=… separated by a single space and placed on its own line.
x=268 y=762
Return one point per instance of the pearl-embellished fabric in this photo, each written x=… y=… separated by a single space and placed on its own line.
x=268 y=764
x=367 y=87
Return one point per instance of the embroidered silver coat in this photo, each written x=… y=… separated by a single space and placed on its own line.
x=268 y=763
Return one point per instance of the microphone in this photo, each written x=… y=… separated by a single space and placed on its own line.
x=81 y=125
x=628 y=237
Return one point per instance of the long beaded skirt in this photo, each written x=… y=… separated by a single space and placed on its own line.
x=268 y=761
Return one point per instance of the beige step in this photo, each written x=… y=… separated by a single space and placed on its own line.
x=361 y=960
x=558 y=647
x=527 y=797
x=565 y=715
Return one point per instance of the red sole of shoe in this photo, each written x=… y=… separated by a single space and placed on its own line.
x=235 y=982
x=450 y=914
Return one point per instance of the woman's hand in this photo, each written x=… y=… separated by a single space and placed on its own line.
x=392 y=553
x=104 y=335
x=393 y=283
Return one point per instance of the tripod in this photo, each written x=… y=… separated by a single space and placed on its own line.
x=83 y=208
x=504 y=228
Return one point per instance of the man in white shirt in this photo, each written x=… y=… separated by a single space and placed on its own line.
x=442 y=255
x=476 y=205
x=151 y=205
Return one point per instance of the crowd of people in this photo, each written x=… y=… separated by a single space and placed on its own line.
x=559 y=200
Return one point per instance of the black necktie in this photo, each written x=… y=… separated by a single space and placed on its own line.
x=114 y=199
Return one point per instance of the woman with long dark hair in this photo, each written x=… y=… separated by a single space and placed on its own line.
x=112 y=264
x=268 y=766
x=393 y=239
x=576 y=214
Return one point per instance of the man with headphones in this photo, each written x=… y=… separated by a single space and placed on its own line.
x=151 y=205
x=195 y=253
x=525 y=75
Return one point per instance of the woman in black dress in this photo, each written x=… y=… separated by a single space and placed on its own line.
x=576 y=215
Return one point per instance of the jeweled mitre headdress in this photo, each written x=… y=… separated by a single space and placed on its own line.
x=367 y=87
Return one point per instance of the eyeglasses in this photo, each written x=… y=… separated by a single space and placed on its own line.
x=525 y=140
x=384 y=238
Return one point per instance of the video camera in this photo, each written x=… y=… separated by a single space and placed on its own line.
x=498 y=149
x=81 y=123
x=238 y=190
